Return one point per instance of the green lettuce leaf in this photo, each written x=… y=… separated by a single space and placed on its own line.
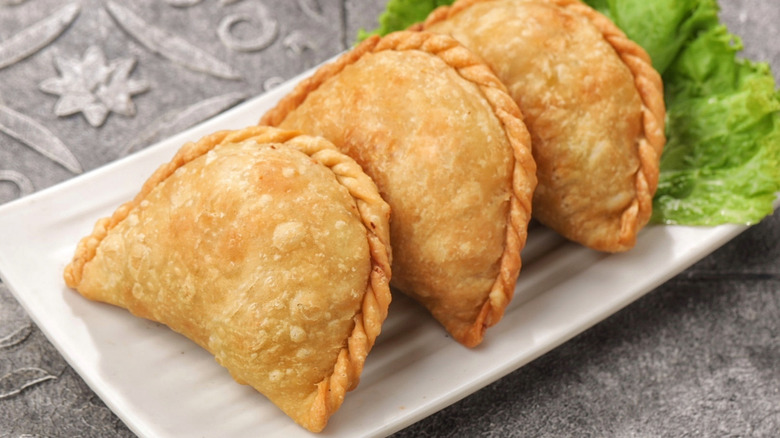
x=721 y=163
x=400 y=14
x=661 y=27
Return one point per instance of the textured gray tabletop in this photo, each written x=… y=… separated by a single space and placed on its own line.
x=699 y=356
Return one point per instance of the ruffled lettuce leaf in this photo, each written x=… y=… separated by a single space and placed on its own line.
x=721 y=163
x=400 y=14
x=661 y=27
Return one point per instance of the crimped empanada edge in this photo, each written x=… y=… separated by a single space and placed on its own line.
x=374 y=214
x=87 y=246
x=649 y=85
x=472 y=69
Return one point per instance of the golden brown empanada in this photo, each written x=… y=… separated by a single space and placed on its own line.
x=448 y=149
x=267 y=248
x=593 y=104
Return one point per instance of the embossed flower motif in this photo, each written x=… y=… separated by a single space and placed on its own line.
x=94 y=87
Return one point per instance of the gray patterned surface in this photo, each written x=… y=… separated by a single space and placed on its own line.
x=699 y=356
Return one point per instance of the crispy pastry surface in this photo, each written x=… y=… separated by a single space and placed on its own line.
x=448 y=149
x=268 y=248
x=592 y=102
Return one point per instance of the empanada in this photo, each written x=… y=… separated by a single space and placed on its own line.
x=592 y=102
x=267 y=248
x=448 y=149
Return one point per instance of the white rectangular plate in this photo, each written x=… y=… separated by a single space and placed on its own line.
x=163 y=385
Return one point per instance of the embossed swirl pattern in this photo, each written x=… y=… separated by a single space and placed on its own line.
x=91 y=86
x=86 y=87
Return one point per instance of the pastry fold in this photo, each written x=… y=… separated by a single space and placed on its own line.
x=268 y=248
x=592 y=102
x=448 y=150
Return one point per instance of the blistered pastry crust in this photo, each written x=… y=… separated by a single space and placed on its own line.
x=472 y=69
x=650 y=143
x=328 y=394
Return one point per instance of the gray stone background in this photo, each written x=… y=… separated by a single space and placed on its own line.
x=699 y=356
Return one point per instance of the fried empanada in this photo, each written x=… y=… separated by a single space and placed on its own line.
x=447 y=147
x=267 y=248
x=592 y=102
